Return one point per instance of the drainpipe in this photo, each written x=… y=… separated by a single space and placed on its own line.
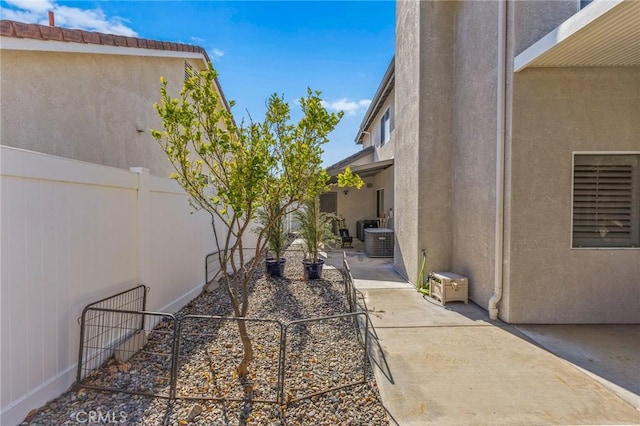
x=500 y=143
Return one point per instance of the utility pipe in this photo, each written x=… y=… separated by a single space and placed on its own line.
x=500 y=159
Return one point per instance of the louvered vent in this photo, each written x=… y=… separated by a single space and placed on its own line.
x=188 y=71
x=605 y=206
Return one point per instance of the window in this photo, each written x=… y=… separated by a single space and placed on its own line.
x=385 y=127
x=606 y=200
x=583 y=3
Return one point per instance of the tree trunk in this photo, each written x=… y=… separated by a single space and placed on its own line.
x=247 y=357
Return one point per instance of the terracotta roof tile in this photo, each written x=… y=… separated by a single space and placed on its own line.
x=107 y=39
x=27 y=31
x=6 y=29
x=93 y=38
x=42 y=32
x=74 y=36
x=51 y=33
x=132 y=42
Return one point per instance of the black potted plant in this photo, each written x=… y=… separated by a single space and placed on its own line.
x=316 y=230
x=271 y=218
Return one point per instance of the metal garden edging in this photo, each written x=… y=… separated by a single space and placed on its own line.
x=134 y=299
x=213 y=318
x=111 y=323
x=353 y=315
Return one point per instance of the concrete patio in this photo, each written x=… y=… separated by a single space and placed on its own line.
x=453 y=366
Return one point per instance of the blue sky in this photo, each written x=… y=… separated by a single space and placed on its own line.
x=258 y=47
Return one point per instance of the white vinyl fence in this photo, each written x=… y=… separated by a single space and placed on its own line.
x=72 y=233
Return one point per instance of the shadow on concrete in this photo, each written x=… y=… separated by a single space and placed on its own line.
x=608 y=353
x=372 y=269
x=374 y=350
x=469 y=310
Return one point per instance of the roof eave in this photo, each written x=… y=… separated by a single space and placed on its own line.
x=603 y=34
x=388 y=80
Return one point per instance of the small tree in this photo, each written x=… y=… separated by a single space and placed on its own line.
x=232 y=171
x=316 y=226
x=271 y=217
x=315 y=229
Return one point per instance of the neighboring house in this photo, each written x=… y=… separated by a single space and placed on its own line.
x=76 y=231
x=374 y=164
x=517 y=154
x=88 y=96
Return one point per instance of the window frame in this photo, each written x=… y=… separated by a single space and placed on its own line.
x=609 y=156
x=385 y=124
x=380 y=203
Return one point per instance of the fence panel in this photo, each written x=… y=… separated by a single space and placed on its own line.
x=209 y=350
x=142 y=364
x=313 y=363
x=102 y=329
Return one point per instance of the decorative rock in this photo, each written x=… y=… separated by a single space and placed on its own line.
x=194 y=412
x=210 y=351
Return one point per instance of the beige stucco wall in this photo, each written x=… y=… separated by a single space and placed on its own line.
x=386 y=151
x=423 y=131
x=357 y=204
x=384 y=180
x=407 y=118
x=557 y=112
x=445 y=164
x=474 y=147
x=530 y=20
x=86 y=106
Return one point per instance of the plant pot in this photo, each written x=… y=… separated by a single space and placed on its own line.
x=275 y=267
x=312 y=270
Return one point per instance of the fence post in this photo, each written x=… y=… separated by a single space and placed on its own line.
x=142 y=210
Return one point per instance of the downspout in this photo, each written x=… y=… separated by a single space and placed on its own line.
x=500 y=159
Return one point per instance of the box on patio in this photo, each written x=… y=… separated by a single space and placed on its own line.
x=449 y=287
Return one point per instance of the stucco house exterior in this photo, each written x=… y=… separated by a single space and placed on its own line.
x=517 y=154
x=373 y=163
x=88 y=96
x=87 y=206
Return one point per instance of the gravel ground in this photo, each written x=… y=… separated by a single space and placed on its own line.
x=319 y=356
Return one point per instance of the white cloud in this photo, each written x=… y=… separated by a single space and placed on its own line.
x=349 y=107
x=34 y=6
x=214 y=51
x=20 y=15
x=36 y=12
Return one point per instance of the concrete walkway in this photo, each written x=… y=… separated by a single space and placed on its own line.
x=453 y=366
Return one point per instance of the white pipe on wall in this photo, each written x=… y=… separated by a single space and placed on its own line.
x=500 y=143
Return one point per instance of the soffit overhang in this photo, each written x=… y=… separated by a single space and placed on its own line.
x=363 y=170
x=606 y=33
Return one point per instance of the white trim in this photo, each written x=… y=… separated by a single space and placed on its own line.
x=35 y=165
x=11 y=43
x=566 y=30
x=17 y=410
x=164 y=185
x=181 y=301
x=574 y=153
